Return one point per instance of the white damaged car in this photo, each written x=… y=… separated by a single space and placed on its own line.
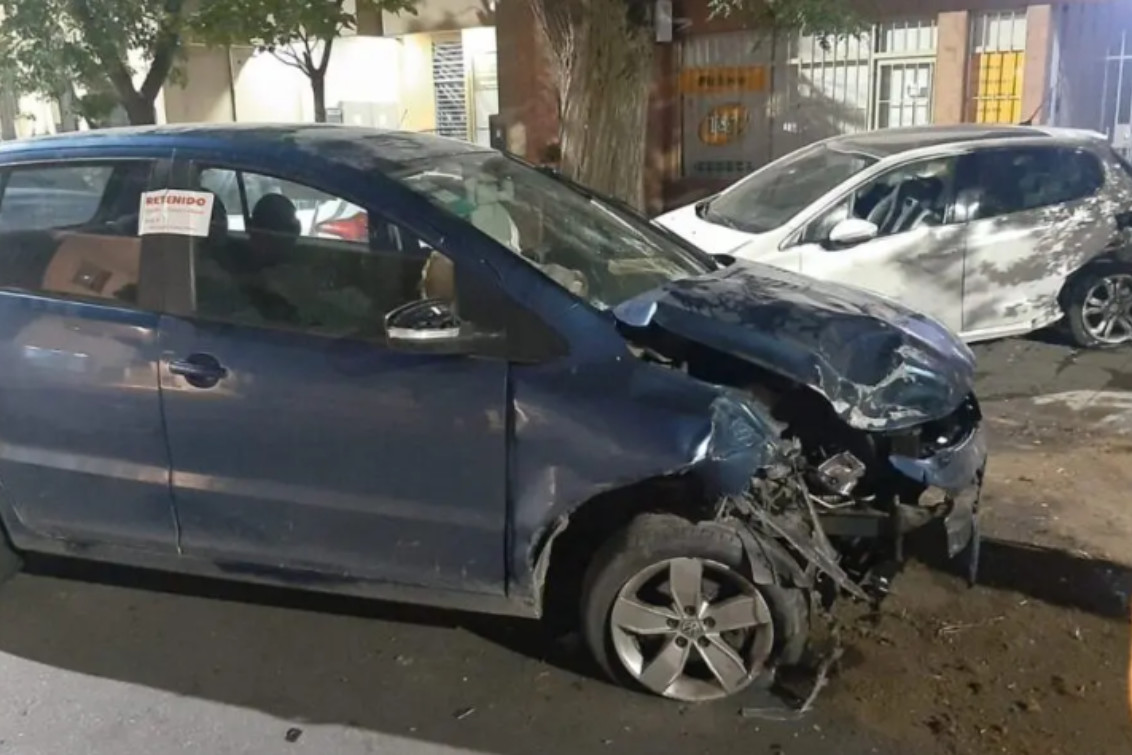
x=995 y=231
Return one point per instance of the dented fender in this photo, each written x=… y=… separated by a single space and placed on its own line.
x=617 y=424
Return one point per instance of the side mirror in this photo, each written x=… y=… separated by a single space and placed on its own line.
x=431 y=326
x=852 y=231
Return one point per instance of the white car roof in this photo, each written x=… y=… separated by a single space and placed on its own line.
x=887 y=143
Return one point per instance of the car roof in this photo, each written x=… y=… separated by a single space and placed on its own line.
x=353 y=146
x=888 y=142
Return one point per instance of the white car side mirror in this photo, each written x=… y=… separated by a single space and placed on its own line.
x=852 y=231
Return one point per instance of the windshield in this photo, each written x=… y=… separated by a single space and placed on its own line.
x=592 y=248
x=770 y=197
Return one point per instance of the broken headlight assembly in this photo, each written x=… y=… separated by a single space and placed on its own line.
x=937 y=435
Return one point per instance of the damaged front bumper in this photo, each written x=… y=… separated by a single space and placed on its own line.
x=954 y=481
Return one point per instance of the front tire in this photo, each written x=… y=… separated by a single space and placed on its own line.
x=1098 y=307
x=666 y=606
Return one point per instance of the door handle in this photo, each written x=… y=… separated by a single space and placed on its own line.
x=199 y=370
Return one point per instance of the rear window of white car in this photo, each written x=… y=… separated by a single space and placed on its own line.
x=770 y=197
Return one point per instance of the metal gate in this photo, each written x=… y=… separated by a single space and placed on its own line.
x=748 y=98
x=1091 y=70
x=998 y=57
x=905 y=73
x=450 y=88
x=724 y=93
x=1116 y=104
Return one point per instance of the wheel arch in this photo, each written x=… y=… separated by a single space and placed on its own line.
x=564 y=547
x=1107 y=260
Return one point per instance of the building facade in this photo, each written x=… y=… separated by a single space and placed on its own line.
x=727 y=99
x=433 y=72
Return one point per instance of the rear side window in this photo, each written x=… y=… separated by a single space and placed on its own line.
x=320 y=214
x=52 y=197
x=72 y=230
x=1005 y=181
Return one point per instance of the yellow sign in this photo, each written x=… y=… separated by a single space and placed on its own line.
x=724 y=124
x=723 y=80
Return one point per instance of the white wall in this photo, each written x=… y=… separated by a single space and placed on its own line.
x=362 y=69
x=37 y=116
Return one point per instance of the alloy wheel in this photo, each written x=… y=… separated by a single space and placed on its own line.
x=691 y=629
x=1106 y=311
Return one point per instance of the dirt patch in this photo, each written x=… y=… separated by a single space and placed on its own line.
x=1036 y=658
x=1076 y=497
x=944 y=668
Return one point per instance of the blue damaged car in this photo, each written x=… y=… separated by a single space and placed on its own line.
x=405 y=367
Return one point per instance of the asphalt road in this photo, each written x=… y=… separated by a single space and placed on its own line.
x=122 y=663
x=1044 y=364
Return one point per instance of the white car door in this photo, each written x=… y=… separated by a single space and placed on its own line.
x=1032 y=220
x=916 y=256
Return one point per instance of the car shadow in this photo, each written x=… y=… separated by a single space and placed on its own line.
x=1052 y=575
x=491 y=685
x=530 y=638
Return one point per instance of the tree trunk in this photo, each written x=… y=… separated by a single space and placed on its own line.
x=318 y=89
x=604 y=62
x=141 y=112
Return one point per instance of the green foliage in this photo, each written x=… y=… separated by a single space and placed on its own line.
x=49 y=45
x=821 y=18
x=299 y=33
x=292 y=30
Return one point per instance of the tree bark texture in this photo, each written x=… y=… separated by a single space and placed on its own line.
x=318 y=90
x=602 y=53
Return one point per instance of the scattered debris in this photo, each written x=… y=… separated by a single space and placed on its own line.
x=463 y=713
x=821 y=679
x=948 y=629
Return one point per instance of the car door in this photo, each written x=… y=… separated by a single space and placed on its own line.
x=1031 y=220
x=300 y=441
x=916 y=256
x=82 y=447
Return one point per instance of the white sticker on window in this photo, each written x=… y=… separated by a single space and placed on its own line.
x=175 y=211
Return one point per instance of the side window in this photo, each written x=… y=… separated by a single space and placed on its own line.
x=906 y=198
x=299 y=258
x=1005 y=181
x=1082 y=175
x=72 y=230
x=73 y=194
x=319 y=213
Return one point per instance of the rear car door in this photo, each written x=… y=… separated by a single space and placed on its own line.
x=82 y=447
x=300 y=442
x=917 y=255
x=1032 y=219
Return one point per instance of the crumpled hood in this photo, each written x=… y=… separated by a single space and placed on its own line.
x=882 y=366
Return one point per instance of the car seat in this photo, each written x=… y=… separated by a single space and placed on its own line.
x=918 y=204
x=275 y=213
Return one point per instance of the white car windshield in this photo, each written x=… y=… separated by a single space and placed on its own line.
x=770 y=197
x=594 y=248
